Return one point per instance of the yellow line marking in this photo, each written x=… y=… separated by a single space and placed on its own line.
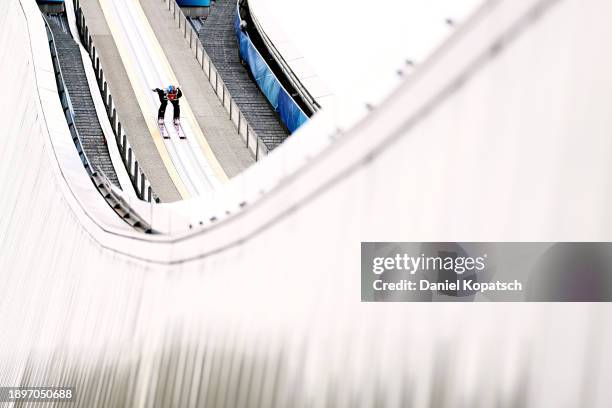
x=185 y=107
x=145 y=107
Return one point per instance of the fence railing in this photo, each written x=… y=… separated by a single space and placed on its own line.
x=245 y=130
x=141 y=184
x=99 y=179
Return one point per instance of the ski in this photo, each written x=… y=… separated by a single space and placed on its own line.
x=163 y=130
x=179 y=129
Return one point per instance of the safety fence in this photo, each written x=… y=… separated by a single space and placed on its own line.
x=139 y=180
x=289 y=111
x=102 y=183
x=245 y=130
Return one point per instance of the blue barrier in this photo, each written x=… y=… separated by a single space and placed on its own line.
x=289 y=111
x=193 y=3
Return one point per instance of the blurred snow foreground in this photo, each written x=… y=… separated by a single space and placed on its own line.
x=502 y=134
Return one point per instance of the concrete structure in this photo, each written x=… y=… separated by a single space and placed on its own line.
x=503 y=134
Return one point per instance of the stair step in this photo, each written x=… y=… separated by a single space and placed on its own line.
x=218 y=38
x=86 y=118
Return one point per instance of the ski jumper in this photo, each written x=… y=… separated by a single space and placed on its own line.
x=173 y=97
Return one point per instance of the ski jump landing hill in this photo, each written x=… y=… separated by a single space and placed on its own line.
x=503 y=134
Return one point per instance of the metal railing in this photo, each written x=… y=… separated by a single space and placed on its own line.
x=245 y=130
x=99 y=179
x=141 y=184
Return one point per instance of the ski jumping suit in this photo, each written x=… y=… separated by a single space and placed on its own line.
x=164 y=97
